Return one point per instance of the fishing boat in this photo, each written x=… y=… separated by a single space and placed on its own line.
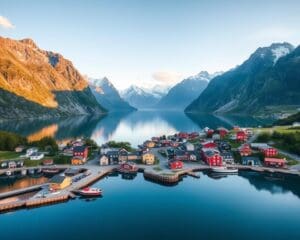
x=224 y=169
x=90 y=192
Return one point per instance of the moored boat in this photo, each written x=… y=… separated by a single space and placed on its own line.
x=224 y=169
x=90 y=192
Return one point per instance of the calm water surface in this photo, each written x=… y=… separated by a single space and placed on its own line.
x=134 y=127
x=236 y=207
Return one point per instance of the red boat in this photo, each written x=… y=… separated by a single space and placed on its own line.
x=90 y=192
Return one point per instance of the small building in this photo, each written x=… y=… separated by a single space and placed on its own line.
x=209 y=133
x=212 y=157
x=183 y=135
x=113 y=157
x=224 y=146
x=180 y=155
x=30 y=151
x=269 y=151
x=189 y=146
x=36 y=156
x=149 y=144
x=123 y=155
x=12 y=164
x=70 y=172
x=227 y=157
x=245 y=150
x=48 y=162
x=251 y=161
x=81 y=151
x=148 y=158
x=222 y=131
x=175 y=165
x=19 y=149
x=59 y=182
x=216 y=136
x=275 y=162
x=104 y=160
x=208 y=144
x=241 y=136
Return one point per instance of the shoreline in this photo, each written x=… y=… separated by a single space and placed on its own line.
x=97 y=173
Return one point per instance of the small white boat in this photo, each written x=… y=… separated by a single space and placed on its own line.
x=90 y=192
x=224 y=169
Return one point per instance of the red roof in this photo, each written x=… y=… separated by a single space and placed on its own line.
x=275 y=160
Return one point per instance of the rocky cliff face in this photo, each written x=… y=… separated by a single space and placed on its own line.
x=38 y=83
x=268 y=82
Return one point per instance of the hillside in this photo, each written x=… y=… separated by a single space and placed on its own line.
x=265 y=83
x=38 y=83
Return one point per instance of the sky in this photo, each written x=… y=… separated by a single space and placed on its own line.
x=151 y=42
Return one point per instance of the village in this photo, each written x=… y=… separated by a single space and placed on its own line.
x=162 y=159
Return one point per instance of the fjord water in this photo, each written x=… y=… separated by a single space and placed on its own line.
x=235 y=207
x=134 y=127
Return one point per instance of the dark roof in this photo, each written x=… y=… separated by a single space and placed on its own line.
x=112 y=153
x=250 y=158
x=79 y=148
x=57 y=179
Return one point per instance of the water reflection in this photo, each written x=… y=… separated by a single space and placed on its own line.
x=134 y=127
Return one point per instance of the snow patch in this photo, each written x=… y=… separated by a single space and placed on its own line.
x=279 y=52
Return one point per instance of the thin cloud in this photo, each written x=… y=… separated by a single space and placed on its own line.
x=167 y=77
x=5 y=23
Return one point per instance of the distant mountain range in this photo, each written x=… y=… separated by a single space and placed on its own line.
x=37 y=83
x=268 y=81
x=142 y=98
x=183 y=93
x=108 y=96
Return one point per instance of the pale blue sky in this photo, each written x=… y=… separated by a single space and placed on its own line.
x=146 y=42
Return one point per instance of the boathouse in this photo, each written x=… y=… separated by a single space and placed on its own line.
x=59 y=182
x=250 y=161
x=80 y=155
x=245 y=150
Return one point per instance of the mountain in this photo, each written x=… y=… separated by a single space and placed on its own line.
x=108 y=96
x=142 y=98
x=267 y=82
x=38 y=83
x=289 y=120
x=183 y=93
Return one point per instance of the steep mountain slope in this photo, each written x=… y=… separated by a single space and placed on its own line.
x=38 y=83
x=268 y=80
x=108 y=96
x=183 y=93
x=141 y=98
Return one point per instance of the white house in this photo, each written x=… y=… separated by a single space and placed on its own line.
x=30 y=151
x=36 y=156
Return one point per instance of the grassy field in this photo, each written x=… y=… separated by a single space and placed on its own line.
x=6 y=155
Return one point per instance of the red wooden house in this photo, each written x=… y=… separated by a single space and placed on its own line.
x=223 y=132
x=175 y=165
x=193 y=135
x=209 y=133
x=241 y=136
x=275 y=162
x=212 y=157
x=269 y=151
x=80 y=155
x=183 y=135
x=245 y=150
x=208 y=144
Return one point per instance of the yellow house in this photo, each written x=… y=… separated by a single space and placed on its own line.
x=59 y=182
x=78 y=161
x=148 y=158
x=150 y=144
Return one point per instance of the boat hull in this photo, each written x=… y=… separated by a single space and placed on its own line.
x=225 y=170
